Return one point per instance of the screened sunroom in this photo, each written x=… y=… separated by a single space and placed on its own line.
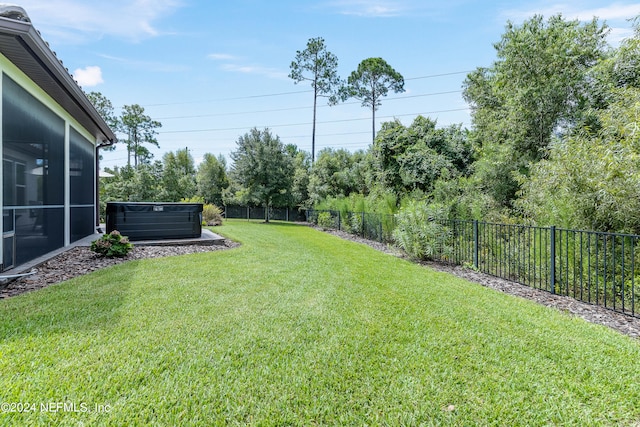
x=49 y=138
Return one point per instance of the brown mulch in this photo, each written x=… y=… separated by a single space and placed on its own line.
x=81 y=260
x=625 y=324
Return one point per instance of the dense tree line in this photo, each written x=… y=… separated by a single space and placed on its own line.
x=554 y=137
x=554 y=140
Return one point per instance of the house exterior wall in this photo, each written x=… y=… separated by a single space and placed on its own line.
x=48 y=172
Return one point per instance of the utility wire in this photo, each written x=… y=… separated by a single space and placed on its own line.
x=275 y=110
x=308 y=123
x=266 y=95
x=438 y=75
x=229 y=99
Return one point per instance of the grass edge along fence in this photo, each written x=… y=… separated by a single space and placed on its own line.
x=594 y=267
x=260 y=213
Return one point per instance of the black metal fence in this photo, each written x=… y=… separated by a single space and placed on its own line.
x=594 y=267
x=258 y=212
x=367 y=225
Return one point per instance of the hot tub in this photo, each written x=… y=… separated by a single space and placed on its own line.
x=155 y=221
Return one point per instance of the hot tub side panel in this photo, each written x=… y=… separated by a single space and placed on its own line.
x=155 y=221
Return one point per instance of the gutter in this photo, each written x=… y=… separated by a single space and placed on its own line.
x=103 y=144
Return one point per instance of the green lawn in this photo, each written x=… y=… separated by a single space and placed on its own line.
x=297 y=327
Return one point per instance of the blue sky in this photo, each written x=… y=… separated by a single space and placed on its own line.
x=209 y=71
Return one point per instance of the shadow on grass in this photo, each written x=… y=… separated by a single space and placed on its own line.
x=87 y=303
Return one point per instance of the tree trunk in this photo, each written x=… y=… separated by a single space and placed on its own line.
x=373 y=125
x=313 y=132
x=266 y=211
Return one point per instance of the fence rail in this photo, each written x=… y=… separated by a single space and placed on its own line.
x=594 y=267
x=253 y=212
x=367 y=225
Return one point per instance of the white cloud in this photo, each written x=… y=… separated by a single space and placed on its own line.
x=89 y=76
x=153 y=66
x=616 y=16
x=252 y=69
x=368 y=8
x=617 y=35
x=76 y=20
x=615 y=11
x=392 y=8
x=222 y=57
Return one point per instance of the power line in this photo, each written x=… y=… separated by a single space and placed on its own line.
x=308 y=123
x=266 y=95
x=438 y=75
x=229 y=99
x=275 y=110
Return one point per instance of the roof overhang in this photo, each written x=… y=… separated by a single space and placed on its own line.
x=22 y=44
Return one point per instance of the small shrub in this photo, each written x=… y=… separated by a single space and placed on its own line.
x=420 y=234
x=112 y=245
x=325 y=220
x=355 y=222
x=211 y=215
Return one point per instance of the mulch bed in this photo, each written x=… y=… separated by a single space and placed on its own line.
x=81 y=260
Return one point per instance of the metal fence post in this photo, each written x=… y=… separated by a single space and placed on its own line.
x=552 y=262
x=476 y=244
x=362 y=230
x=339 y=222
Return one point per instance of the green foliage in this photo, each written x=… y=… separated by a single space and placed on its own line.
x=535 y=91
x=194 y=199
x=337 y=173
x=382 y=203
x=325 y=220
x=105 y=108
x=112 y=245
x=141 y=184
x=370 y=82
x=212 y=179
x=211 y=215
x=354 y=222
x=413 y=158
x=139 y=129
x=592 y=179
x=300 y=183
x=346 y=332
x=263 y=169
x=318 y=66
x=178 y=177
x=420 y=233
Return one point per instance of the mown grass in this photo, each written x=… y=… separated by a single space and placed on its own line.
x=297 y=327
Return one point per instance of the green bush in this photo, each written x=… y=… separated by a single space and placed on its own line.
x=355 y=222
x=325 y=220
x=211 y=215
x=420 y=234
x=112 y=245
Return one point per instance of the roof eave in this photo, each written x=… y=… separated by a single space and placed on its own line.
x=33 y=43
